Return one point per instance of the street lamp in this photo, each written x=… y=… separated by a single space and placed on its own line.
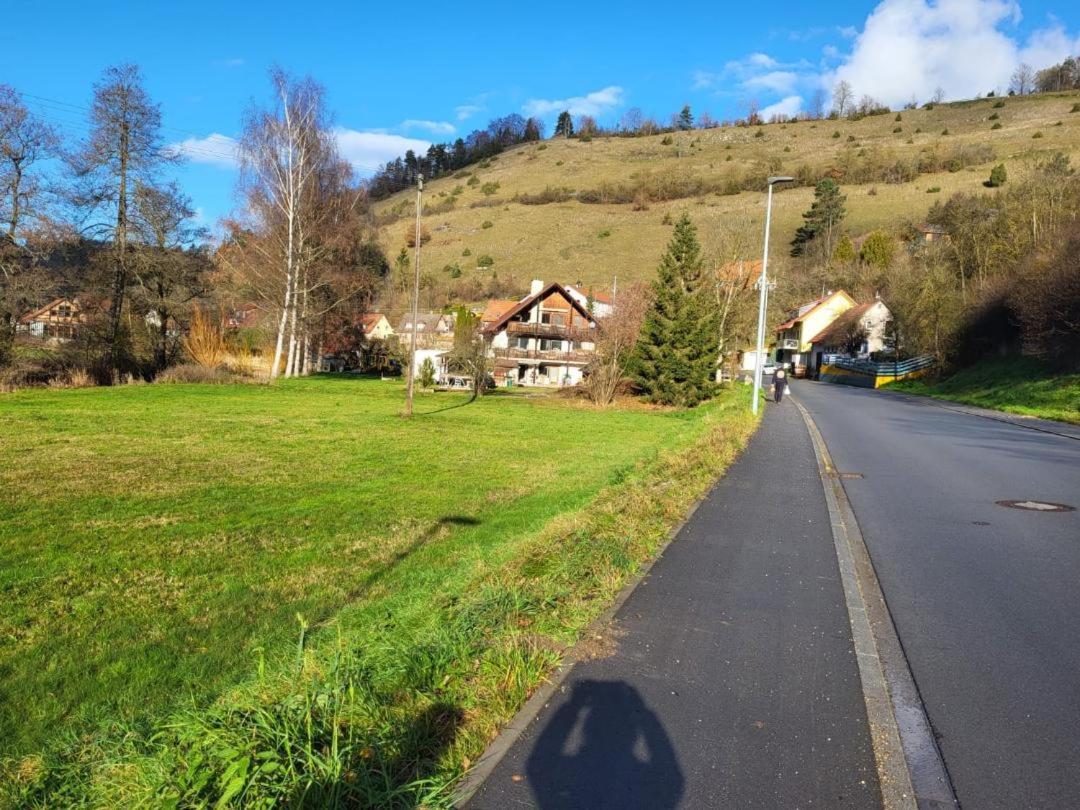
x=763 y=286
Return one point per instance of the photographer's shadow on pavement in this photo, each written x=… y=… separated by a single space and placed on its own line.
x=604 y=748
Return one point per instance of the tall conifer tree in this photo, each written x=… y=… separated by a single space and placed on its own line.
x=675 y=358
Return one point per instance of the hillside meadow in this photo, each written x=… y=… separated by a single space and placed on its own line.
x=262 y=594
x=712 y=175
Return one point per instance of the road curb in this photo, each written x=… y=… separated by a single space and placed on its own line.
x=499 y=747
x=910 y=768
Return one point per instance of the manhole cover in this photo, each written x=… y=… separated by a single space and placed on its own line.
x=1037 y=506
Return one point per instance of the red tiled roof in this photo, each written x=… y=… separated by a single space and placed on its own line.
x=805 y=310
x=495 y=309
x=843 y=322
x=528 y=301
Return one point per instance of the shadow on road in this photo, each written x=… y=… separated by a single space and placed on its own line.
x=604 y=748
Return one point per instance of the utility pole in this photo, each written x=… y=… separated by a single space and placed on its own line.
x=415 y=301
x=763 y=286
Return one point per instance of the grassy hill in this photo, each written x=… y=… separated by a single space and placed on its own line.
x=712 y=174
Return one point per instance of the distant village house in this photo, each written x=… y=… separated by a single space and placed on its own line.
x=57 y=321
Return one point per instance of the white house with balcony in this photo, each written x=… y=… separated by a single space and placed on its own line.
x=794 y=336
x=546 y=339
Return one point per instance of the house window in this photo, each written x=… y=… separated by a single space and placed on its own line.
x=521 y=342
x=547 y=345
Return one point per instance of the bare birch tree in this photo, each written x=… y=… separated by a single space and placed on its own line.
x=305 y=214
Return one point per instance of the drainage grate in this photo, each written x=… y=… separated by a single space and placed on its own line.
x=1037 y=506
x=849 y=475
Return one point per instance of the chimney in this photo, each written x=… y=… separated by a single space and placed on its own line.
x=537 y=286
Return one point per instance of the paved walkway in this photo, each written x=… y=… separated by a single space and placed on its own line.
x=733 y=682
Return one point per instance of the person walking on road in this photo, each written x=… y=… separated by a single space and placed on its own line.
x=779 y=383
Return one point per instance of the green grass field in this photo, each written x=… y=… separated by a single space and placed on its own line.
x=563 y=241
x=1019 y=386
x=158 y=543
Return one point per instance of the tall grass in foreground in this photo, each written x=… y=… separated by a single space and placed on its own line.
x=394 y=715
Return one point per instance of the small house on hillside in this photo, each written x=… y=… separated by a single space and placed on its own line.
x=247 y=315
x=856 y=333
x=932 y=233
x=57 y=321
x=546 y=339
x=375 y=326
x=430 y=323
x=602 y=305
x=793 y=336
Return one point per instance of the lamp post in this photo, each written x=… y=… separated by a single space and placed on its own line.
x=763 y=286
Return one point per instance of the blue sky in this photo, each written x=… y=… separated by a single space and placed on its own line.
x=400 y=76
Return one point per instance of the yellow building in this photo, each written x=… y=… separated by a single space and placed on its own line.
x=794 y=336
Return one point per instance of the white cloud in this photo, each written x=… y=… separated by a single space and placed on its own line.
x=762 y=60
x=790 y=106
x=214 y=150
x=434 y=127
x=911 y=47
x=367 y=150
x=776 y=81
x=465 y=111
x=595 y=103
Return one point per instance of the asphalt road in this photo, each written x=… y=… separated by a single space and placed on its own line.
x=732 y=681
x=986 y=599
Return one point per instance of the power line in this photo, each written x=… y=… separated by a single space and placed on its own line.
x=55 y=106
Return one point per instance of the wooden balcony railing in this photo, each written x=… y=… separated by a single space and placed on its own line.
x=551 y=330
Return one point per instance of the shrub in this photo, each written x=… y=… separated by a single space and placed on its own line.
x=541 y=147
x=727 y=158
x=897 y=129
x=551 y=194
x=458 y=189
x=945 y=131
x=666 y=141
x=604 y=234
x=558 y=163
x=473 y=181
x=844 y=251
x=189 y=373
x=204 y=343
x=427 y=373
x=934 y=190
x=466 y=252
x=667 y=219
x=836 y=134
x=851 y=139
x=898 y=117
x=759 y=134
x=997 y=125
x=410 y=234
x=484 y=261
x=453 y=269
x=489 y=188
x=1075 y=107
x=918 y=130
x=999 y=104
x=879 y=250
x=998 y=176
x=487 y=223
x=993 y=117
x=462 y=174
x=1037 y=135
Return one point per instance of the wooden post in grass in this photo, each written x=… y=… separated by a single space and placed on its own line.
x=415 y=301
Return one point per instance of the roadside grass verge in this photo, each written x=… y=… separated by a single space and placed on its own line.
x=1017 y=385
x=373 y=681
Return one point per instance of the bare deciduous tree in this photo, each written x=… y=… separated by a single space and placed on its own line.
x=817 y=104
x=124 y=147
x=25 y=140
x=299 y=192
x=618 y=334
x=1023 y=79
x=843 y=95
x=169 y=266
